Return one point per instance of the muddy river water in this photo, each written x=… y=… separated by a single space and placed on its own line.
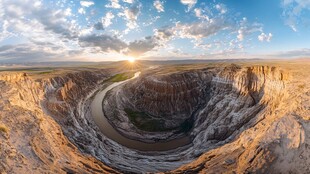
x=108 y=130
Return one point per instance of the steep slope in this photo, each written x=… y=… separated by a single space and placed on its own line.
x=34 y=142
x=214 y=99
x=277 y=140
x=244 y=120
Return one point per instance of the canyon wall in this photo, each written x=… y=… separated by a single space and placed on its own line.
x=245 y=119
x=219 y=100
x=34 y=141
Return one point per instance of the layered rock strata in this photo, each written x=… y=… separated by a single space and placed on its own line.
x=245 y=120
x=34 y=142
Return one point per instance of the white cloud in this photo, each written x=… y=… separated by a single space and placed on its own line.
x=131 y=16
x=151 y=21
x=68 y=12
x=58 y=33
x=86 y=3
x=159 y=6
x=81 y=11
x=293 y=27
x=189 y=3
x=264 y=37
x=38 y=4
x=221 y=8
x=107 y=20
x=85 y=32
x=204 y=46
x=292 y=11
x=44 y=33
x=247 y=29
x=199 y=14
x=202 y=29
x=113 y=4
x=240 y=35
x=4 y=33
x=129 y=1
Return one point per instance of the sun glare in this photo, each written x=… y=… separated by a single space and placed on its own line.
x=131 y=59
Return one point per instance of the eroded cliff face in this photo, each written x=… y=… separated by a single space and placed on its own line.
x=167 y=101
x=171 y=96
x=34 y=141
x=219 y=100
x=276 y=140
x=245 y=119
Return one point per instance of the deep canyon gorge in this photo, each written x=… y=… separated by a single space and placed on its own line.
x=210 y=118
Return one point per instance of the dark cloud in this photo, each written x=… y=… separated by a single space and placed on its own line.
x=203 y=29
x=6 y=47
x=293 y=53
x=56 y=22
x=164 y=34
x=24 y=53
x=34 y=53
x=98 y=26
x=138 y=47
x=104 y=42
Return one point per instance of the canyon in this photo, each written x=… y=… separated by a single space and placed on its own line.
x=249 y=117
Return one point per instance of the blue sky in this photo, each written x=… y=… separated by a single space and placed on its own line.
x=100 y=30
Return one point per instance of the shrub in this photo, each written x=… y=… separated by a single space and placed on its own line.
x=3 y=128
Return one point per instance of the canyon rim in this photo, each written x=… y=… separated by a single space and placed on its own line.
x=154 y=86
x=207 y=118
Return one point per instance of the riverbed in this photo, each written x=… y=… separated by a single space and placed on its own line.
x=108 y=130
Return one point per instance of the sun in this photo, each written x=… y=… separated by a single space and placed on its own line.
x=131 y=59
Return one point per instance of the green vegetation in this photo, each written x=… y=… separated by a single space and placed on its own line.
x=121 y=77
x=45 y=72
x=3 y=128
x=145 y=122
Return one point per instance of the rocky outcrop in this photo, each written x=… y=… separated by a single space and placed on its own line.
x=276 y=140
x=210 y=98
x=170 y=100
x=34 y=142
x=173 y=96
x=245 y=120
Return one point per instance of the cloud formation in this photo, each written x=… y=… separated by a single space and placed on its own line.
x=264 y=37
x=105 y=43
x=86 y=3
x=129 y=27
x=35 y=53
x=246 y=29
x=107 y=20
x=199 y=13
x=159 y=6
x=131 y=16
x=129 y=1
x=292 y=10
x=201 y=29
x=139 y=47
x=221 y=8
x=113 y=4
x=189 y=3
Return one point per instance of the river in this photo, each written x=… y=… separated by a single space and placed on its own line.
x=108 y=130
